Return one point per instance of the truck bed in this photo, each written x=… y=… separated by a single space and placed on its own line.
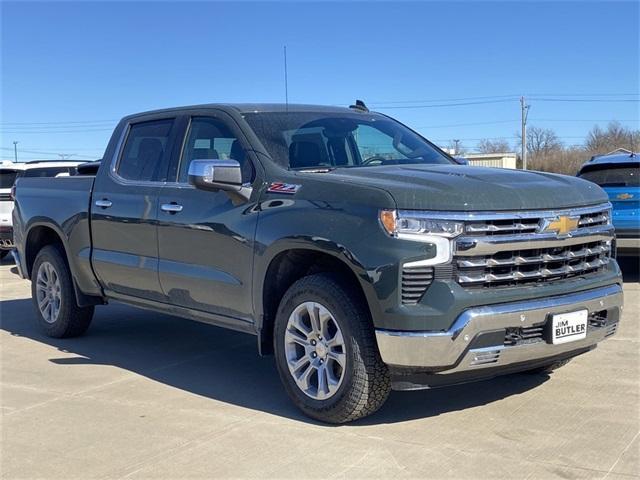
x=63 y=204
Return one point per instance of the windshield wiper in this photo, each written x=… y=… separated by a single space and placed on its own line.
x=313 y=169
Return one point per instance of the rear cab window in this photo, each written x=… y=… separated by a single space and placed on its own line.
x=48 y=172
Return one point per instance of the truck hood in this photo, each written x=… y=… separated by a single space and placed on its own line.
x=465 y=188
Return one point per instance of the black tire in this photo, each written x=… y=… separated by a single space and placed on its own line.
x=548 y=369
x=71 y=320
x=4 y=253
x=365 y=382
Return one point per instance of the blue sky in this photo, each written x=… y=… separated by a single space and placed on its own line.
x=71 y=69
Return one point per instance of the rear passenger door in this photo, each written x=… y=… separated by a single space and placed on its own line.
x=125 y=208
x=205 y=240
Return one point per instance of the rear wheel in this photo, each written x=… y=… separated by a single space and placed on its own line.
x=53 y=296
x=326 y=351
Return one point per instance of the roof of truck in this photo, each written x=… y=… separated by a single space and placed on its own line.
x=253 y=107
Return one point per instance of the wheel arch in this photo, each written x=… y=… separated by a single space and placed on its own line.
x=40 y=235
x=286 y=266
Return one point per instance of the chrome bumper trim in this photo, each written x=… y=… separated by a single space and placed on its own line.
x=628 y=243
x=489 y=245
x=448 y=350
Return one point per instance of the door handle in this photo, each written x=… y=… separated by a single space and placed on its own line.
x=171 y=208
x=104 y=203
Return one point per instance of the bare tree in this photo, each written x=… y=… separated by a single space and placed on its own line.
x=492 y=146
x=542 y=141
x=615 y=136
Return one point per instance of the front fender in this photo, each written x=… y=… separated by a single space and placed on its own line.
x=349 y=232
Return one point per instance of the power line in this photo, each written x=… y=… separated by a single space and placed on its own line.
x=60 y=123
x=587 y=100
x=481 y=102
x=468 y=124
x=486 y=97
x=90 y=129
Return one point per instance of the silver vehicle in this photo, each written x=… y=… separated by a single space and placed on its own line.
x=9 y=173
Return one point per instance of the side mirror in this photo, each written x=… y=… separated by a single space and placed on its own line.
x=215 y=175
x=461 y=160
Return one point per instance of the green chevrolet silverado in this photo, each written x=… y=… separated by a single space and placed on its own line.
x=359 y=254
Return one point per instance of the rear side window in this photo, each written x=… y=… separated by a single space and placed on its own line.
x=613 y=176
x=7 y=178
x=145 y=152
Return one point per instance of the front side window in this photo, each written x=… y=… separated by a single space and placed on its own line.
x=308 y=140
x=145 y=150
x=210 y=139
x=613 y=175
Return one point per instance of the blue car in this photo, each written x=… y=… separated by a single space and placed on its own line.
x=619 y=176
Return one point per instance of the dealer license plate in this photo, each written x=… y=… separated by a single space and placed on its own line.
x=569 y=327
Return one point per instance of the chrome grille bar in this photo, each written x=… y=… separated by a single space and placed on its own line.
x=536 y=274
x=544 y=258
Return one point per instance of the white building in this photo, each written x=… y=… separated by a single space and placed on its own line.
x=500 y=160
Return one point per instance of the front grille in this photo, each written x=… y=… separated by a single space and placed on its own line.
x=530 y=222
x=532 y=265
x=516 y=248
x=415 y=281
x=515 y=336
x=524 y=335
x=5 y=197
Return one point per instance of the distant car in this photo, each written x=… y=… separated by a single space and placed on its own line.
x=619 y=176
x=9 y=173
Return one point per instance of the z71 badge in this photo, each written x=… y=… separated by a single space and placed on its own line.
x=279 y=187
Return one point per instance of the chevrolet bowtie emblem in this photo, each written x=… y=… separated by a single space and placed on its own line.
x=562 y=225
x=624 y=196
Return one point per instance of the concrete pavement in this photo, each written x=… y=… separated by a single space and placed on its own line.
x=144 y=395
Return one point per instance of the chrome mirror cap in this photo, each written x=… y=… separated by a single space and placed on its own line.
x=215 y=175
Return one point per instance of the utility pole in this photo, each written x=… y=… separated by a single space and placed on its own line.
x=15 y=151
x=455 y=148
x=524 y=109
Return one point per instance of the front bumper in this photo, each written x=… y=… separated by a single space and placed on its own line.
x=476 y=341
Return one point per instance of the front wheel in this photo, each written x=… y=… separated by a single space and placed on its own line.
x=4 y=253
x=53 y=296
x=326 y=352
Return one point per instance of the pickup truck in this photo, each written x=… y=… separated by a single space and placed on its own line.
x=359 y=254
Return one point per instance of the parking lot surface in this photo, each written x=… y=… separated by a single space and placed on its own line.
x=144 y=395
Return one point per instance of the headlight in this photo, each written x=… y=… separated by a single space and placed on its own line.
x=415 y=227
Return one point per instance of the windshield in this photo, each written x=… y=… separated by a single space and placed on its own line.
x=316 y=140
x=614 y=175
